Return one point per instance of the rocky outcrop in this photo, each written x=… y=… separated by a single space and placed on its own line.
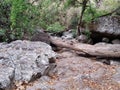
x=24 y=61
x=99 y=50
x=107 y=26
x=40 y=35
x=80 y=73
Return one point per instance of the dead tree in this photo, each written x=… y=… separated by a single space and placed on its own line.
x=100 y=50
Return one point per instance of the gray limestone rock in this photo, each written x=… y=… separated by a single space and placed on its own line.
x=23 y=61
x=67 y=35
x=109 y=25
x=6 y=77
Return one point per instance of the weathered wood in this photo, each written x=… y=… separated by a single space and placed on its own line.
x=101 y=50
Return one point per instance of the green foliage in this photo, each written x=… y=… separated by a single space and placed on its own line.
x=74 y=21
x=5 y=13
x=87 y=33
x=17 y=17
x=18 y=7
x=5 y=6
x=48 y=13
x=55 y=28
x=92 y=13
x=3 y=34
x=20 y=17
x=72 y=3
x=74 y=32
x=69 y=3
x=87 y=17
x=110 y=5
x=17 y=11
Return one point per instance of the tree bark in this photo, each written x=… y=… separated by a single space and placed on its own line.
x=100 y=50
x=84 y=5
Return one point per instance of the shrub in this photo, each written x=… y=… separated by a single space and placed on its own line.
x=74 y=32
x=21 y=18
x=55 y=28
x=48 y=13
x=3 y=35
x=5 y=6
x=17 y=17
x=87 y=33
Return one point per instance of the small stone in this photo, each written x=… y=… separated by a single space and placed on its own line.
x=82 y=38
x=116 y=41
x=67 y=35
x=105 y=40
x=115 y=62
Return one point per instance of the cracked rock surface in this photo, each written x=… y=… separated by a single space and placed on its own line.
x=28 y=67
x=23 y=61
x=79 y=73
x=109 y=25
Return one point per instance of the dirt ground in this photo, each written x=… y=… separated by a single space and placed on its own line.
x=79 y=73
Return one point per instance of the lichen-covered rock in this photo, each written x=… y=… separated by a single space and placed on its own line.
x=109 y=26
x=6 y=77
x=23 y=61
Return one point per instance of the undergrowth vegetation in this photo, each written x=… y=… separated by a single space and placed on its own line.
x=21 y=17
x=55 y=27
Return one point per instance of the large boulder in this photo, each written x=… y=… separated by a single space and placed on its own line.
x=40 y=35
x=107 y=26
x=24 y=61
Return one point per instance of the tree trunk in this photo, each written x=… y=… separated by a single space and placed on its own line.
x=84 y=5
x=100 y=50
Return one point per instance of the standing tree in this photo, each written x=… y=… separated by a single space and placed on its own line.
x=84 y=5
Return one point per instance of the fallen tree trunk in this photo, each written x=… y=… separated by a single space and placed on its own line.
x=100 y=50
